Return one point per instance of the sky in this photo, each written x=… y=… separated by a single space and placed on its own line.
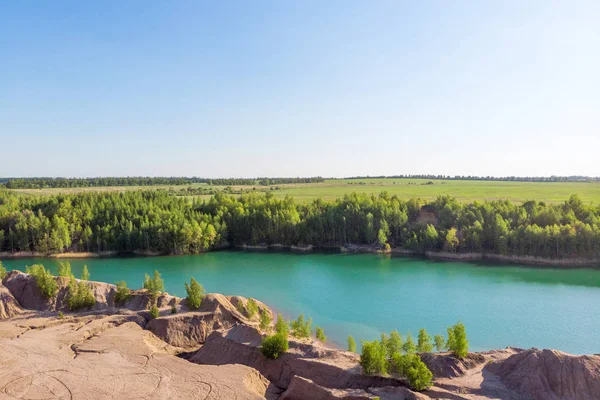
x=299 y=88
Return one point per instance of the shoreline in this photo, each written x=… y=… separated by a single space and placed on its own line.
x=529 y=261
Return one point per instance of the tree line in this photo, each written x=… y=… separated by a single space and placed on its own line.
x=572 y=178
x=156 y=222
x=40 y=183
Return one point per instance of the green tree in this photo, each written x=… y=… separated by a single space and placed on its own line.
x=410 y=365
x=123 y=292
x=85 y=275
x=457 y=340
x=440 y=342
x=64 y=269
x=320 y=334
x=274 y=346
x=195 y=294
x=451 y=243
x=351 y=344
x=281 y=326
x=394 y=344
x=424 y=344
x=43 y=280
x=373 y=358
x=154 y=311
x=409 y=346
x=265 y=320
x=300 y=327
x=80 y=295
x=251 y=308
x=3 y=272
x=155 y=285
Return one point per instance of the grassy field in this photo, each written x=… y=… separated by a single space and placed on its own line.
x=551 y=192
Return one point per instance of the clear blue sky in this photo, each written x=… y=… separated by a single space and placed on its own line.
x=299 y=88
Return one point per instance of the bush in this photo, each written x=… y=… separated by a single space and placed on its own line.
x=457 y=340
x=281 y=327
x=320 y=334
x=154 y=312
x=80 y=295
x=64 y=269
x=409 y=346
x=43 y=280
x=351 y=344
x=372 y=358
x=440 y=342
x=301 y=328
x=2 y=271
x=251 y=308
x=394 y=343
x=155 y=285
x=265 y=320
x=195 y=294
x=240 y=307
x=85 y=275
x=424 y=342
x=274 y=346
x=173 y=309
x=410 y=366
x=123 y=292
x=61 y=315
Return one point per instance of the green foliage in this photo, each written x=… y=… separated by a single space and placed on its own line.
x=43 y=280
x=80 y=295
x=173 y=309
x=409 y=346
x=300 y=327
x=64 y=269
x=155 y=285
x=2 y=271
x=275 y=345
x=351 y=344
x=373 y=358
x=424 y=344
x=123 y=292
x=281 y=327
x=240 y=307
x=457 y=341
x=61 y=315
x=410 y=366
x=394 y=343
x=154 y=311
x=265 y=320
x=85 y=274
x=251 y=308
x=195 y=294
x=440 y=342
x=320 y=334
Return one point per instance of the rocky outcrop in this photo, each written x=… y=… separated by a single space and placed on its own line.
x=9 y=307
x=302 y=388
x=550 y=375
x=326 y=367
x=444 y=365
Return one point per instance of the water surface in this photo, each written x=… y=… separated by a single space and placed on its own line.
x=364 y=295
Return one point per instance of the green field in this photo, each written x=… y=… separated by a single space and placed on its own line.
x=552 y=192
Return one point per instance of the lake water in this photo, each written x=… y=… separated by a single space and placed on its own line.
x=364 y=295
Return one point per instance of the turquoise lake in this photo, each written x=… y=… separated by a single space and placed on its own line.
x=364 y=295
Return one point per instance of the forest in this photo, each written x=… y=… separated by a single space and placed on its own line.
x=155 y=221
x=40 y=183
x=574 y=178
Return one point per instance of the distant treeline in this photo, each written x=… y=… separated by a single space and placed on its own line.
x=574 y=178
x=155 y=221
x=40 y=183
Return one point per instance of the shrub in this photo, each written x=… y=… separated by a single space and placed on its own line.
x=173 y=309
x=394 y=343
x=123 y=292
x=2 y=271
x=85 y=275
x=301 y=328
x=80 y=295
x=240 y=307
x=251 y=308
x=154 y=311
x=351 y=344
x=457 y=340
x=320 y=334
x=155 y=285
x=265 y=320
x=440 y=342
x=281 y=327
x=424 y=342
x=409 y=346
x=43 y=280
x=372 y=358
x=275 y=345
x=410 y=366
x=195 y=293
x=64 y=269
x=61 y=315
